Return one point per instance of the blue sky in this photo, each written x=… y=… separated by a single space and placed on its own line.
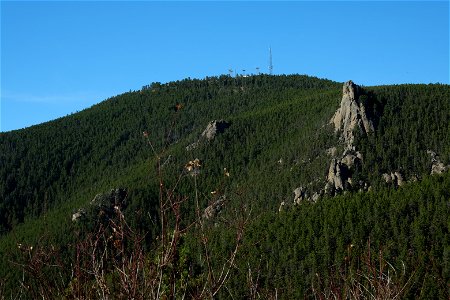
x=62 y=57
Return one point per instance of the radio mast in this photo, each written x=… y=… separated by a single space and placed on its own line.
x=270 y=61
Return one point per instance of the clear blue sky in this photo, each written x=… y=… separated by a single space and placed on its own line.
x=62 y=57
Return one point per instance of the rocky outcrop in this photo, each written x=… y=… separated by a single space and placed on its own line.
x=78 y=215
x=340 y=171
x=387 y=178
x=335 y=177
x=437 y=166
x=211 y=131
x=351 y=158
x=192 y=146
x=398 y=179
x=214 y=208
x=331 y=151
x=105 y=205
x=351 y=114
x=395 y=178
x=213 y=128
x=115 y=198
x=300 y=195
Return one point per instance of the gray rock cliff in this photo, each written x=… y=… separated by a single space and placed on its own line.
x=211 y=131
x=351 y=114
x=215 y=127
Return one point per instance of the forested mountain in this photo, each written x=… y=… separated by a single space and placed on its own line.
x=311 y=168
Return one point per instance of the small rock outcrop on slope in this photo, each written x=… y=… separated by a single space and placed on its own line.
x=214 y=208
x=394 y=178
x=351 y=114
x=340 y=171
x=437 y=166
x=116 y=197
x=211 y=131
x=335 y=177
x=78 y=215
x=215 y=127
x=300 y=195
x=104 y=204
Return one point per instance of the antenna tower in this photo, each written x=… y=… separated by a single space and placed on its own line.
x=270 y=61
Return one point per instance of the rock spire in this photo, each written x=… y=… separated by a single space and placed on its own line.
x=351 y=114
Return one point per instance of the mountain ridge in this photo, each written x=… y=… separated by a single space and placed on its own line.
x=277 y=142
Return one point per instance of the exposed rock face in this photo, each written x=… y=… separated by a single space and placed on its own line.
x=387 y=178
x=211 y=131
x=396 y=178
x=80 y=214
x=215 y=127
x=350 y=158
x=399 y=179
x=116 y=197
x=351 y=114
x=214 y=208
x=437 y=166
x=331 y=151
x=300 y=195
x=335 y=176
x=341 y=169
x=106 y=204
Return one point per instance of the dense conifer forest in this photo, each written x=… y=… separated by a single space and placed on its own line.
x=133 y=183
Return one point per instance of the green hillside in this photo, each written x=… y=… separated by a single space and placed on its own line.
x=276 y=140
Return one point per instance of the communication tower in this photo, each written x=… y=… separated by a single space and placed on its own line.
x=270 y=61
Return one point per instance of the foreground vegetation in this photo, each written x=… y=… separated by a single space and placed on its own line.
x=377 y=245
